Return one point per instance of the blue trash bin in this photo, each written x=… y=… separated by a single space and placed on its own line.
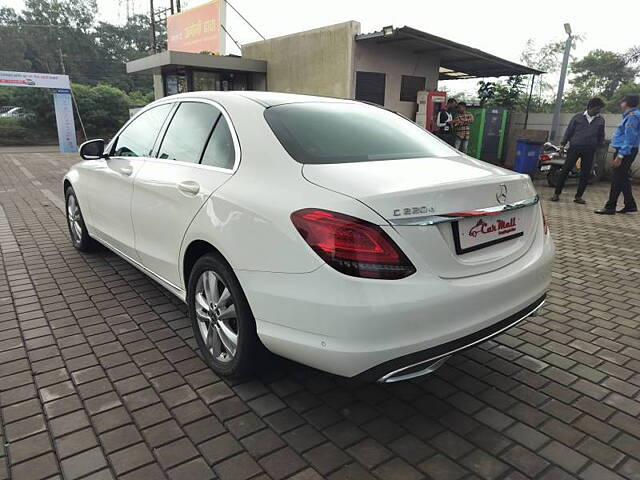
x=527 y=153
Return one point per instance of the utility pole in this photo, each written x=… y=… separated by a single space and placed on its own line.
x=555 y=124
x=152 y=16
x=64 y=70
x=526 y=115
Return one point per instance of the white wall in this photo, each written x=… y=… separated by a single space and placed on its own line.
x=542 y=121
x=395 y=62
x=324 y=61
x=316 y=62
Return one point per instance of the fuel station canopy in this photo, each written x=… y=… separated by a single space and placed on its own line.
x=457 y=61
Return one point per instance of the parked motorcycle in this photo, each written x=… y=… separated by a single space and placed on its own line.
x=551 y=161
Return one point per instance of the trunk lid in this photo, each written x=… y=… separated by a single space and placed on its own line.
x=403 y=191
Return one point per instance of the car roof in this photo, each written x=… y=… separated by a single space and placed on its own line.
x=271 y=99
x=267 y=99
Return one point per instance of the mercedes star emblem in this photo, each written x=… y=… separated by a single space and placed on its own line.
x=501 y=194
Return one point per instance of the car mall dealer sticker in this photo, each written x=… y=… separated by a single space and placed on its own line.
x=478 y=232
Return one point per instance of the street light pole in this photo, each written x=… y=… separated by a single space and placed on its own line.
x=555 y=124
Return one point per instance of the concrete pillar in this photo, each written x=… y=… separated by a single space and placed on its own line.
x=158 y=86
x=259 y=81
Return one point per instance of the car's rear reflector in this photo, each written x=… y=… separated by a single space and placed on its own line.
x=350 y=245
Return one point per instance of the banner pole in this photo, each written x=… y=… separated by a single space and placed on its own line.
x=73 y=97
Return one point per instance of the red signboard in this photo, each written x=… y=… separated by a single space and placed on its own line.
x=196 y=30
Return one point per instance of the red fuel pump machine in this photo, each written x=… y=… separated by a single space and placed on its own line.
x=429 y=104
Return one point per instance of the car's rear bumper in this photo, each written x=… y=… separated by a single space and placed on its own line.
x=429 y=360
x=351 y=326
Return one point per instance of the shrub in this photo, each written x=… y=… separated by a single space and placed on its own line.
x=103 y=108
x=14 y=131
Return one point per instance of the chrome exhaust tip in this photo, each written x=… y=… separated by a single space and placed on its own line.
x=430 y=365
x=538 y=312
x=413 y=371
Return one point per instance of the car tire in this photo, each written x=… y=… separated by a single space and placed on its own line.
x=80 y=237
x=213 y=283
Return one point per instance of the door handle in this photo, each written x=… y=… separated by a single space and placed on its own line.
x=127 y=170
x=189 y=187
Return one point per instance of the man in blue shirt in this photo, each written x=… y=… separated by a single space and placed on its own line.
x=625 y=140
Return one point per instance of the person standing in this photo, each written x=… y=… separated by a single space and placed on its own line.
x=584 y=134
x=462 y=127
x=625 y=141
x=444 y=121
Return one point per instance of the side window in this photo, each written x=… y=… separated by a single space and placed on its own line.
x=220 y=151
x=188 y=132
x=138 y=138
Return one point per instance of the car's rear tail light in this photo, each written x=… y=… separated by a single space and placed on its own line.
x=350 y=245
x=544 y=157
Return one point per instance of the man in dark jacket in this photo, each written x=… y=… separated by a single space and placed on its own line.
x=444 y=121
x=584 y=134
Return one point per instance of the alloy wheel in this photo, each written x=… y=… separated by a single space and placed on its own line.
x=217 y=318
x=73 y=214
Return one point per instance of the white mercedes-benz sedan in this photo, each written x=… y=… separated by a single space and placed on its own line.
x=334 y=233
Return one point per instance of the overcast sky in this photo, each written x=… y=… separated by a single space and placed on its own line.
x=501 y=27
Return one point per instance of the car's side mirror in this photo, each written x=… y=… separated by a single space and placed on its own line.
x=93 y=149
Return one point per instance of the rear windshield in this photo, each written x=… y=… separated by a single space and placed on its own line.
x=319 y=133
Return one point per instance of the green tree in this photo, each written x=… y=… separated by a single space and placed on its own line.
x=104 y=109
x=76 y=14
x=502 y=93
x=119 y=44
x=58 y=36
x=42 y=24
x=613 y=105
x=39 y=102
x=62 y=36
x=601 y=72
x=575 y=99
x=547 y=58
x=13 y=132
x=13 y=58
x=6 y=96
x=633 y=55
x=486 y=91
x=139 y=99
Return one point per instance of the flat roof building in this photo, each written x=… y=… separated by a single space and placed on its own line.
x=178 y=72
x=387 y=67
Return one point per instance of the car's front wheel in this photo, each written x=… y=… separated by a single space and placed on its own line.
x=222 y=321
x=75 y=221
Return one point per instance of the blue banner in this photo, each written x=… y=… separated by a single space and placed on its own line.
x=64 y=119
